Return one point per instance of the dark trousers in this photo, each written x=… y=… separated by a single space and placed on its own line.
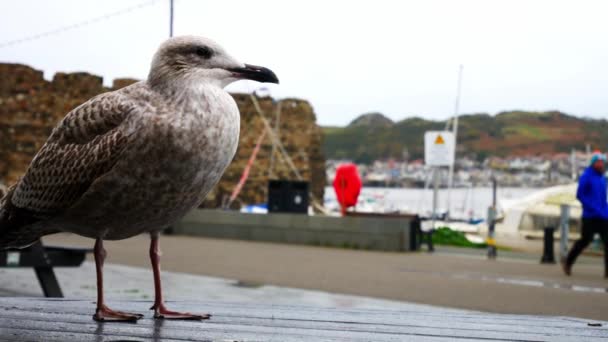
x=589 y=229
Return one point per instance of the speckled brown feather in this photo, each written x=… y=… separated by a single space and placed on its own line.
x=16 y=224
x=84 y=145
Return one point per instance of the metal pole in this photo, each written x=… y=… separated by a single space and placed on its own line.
x=455 y=130
x=171 y=18
x=435 y=193
x=494 y=192
x=274 y=146
x=573 y=164
x=491 y=223
x=564 y=230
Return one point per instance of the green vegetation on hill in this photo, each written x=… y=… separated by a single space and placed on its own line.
x=480 y=135
x=372 y=119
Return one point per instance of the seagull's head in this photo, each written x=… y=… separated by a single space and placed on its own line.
x=198 y=59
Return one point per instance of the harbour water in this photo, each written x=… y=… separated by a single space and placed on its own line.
x=465 y=202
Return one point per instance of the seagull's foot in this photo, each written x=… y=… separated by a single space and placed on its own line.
x=105 y=314
x=160 y=311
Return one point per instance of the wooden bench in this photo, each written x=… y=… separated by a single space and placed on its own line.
x=43 y=259
x=40 y=319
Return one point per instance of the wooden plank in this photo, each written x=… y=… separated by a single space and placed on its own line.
x=431 y=319
x=25 y=318
x=11 y=334
x=303 y=313
x=234 y=318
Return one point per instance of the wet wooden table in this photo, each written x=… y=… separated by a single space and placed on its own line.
x=45 y=319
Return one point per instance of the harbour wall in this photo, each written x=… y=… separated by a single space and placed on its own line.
x=371 y=233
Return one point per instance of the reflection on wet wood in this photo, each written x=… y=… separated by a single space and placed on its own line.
x=40 y=319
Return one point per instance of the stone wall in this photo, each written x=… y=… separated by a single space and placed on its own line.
x=30 y=107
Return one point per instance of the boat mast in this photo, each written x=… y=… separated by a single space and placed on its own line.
x=455 y=130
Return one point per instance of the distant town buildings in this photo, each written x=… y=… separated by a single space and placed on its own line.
x=532 y=171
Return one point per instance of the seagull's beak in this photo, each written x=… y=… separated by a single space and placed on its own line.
x=255 y=73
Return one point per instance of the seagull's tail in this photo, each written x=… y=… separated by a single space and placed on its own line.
x=15 y=225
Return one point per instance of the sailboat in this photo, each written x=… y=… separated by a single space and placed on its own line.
x=465 y=221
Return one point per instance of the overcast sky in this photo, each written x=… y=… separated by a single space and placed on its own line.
x=348 y=57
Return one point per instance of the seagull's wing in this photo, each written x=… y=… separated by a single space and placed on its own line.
x=84 y=146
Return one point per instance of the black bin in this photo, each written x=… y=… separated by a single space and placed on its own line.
x=287 y=196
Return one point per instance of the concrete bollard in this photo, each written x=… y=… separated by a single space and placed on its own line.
x=548 y=254
x=415 y=234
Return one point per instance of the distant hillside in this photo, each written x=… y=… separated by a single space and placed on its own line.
x=372 y=120
x=479 y=135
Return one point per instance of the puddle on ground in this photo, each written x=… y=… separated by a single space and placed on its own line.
x=247 y=284
x=512 y=281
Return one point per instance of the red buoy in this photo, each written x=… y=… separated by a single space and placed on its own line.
x=347 y=185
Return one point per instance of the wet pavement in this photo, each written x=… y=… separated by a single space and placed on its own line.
x=515 y=283
x=135 y=283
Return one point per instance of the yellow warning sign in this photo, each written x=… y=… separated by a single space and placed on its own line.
x=439 y=148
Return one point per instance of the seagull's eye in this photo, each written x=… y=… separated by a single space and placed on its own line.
x=204 y=52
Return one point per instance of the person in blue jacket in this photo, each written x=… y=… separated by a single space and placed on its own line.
x=591 y=193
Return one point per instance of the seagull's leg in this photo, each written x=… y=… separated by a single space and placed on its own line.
x=103 y=313
x=160 y=311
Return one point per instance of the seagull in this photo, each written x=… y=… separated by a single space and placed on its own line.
x=134 y=160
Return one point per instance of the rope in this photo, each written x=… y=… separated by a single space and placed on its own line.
x=76 y=25
x=283 y=154
x=276 y=130
x=275 y=140
x=245 y=174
